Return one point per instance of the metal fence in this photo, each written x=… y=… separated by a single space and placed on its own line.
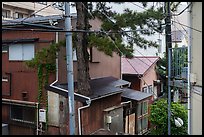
x=179 y=63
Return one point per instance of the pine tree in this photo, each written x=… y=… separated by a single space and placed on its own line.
x=150 y=20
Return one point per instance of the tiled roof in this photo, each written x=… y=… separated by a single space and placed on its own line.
x=137 y=65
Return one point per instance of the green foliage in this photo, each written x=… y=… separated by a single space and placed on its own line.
x=44 y=62
x=159 y=118
x=107 y=45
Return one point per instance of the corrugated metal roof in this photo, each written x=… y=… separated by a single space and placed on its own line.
x=33 y=19
x=137 y=65
x=134 y=94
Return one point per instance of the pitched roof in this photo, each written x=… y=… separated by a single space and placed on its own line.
x=100 y=87
x=134 y=94
x=137 y=65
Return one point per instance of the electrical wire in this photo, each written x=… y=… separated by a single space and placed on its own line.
x=188 y=26
x=180 y=31
x=87 y=10
x=182 y=26
x=182 y=10
x=139 y=6
x=38 y=11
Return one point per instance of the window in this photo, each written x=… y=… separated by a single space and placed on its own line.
x=139 y=112
x=21 y=52
x=4 y=49
x=23 y=114
x=142 y=117
x=6 y=13
x=144 y=107
x=145 y=123
x=17 y=15
x=150 y=89
x=145 y=90
x=139 y=125
x=4 y=78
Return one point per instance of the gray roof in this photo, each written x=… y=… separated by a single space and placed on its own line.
x=33 y=19
x=100 y=87
x=37 y=19
x=134 y=94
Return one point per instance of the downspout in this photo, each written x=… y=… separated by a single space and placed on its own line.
x=79 y=114
x=37 y=104
x=189 y=69
x=122 y=103
x=52 y=85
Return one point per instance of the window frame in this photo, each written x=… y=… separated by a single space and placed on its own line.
x=7 y=13
x=140 y=118
x=21 y=48
x=21 y=116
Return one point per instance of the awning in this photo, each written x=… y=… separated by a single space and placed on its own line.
x=134 y=94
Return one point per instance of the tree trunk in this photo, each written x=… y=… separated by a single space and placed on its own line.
x=83 y=76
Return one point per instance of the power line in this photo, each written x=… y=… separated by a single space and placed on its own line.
x=126 y=41
x=38 y=11
x=84 y=31
x=128 y=61
x=187 y=26
x=87 y=10
x=140 y=77
x=181 y=11
x=182 y=26
x=180 y=31
x=139 y=6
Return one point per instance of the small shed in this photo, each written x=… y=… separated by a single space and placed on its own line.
x=137 y=111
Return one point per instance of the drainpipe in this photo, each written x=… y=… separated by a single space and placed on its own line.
x=189 y=69
x=122 y=103
x=37 y=104
x=79 y=114
x=52 y=85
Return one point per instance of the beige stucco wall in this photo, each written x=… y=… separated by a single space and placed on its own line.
x=196 y=125
x=30 y=7
x=107 y=66
x=148 y=77
x=197 y=42
x=196 y=68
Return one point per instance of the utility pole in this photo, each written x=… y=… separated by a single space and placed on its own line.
x=168 y=57
x=70 y=78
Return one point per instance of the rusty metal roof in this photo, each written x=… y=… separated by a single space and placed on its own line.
x=137 y=65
